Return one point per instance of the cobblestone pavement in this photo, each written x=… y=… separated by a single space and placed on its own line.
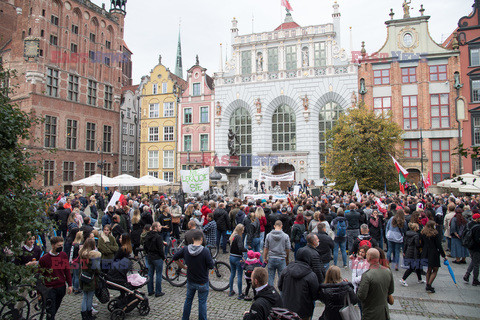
x=412 y=302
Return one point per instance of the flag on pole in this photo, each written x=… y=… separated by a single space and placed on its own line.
x=426 y=182
x=381 y=206
x=402 y=174
x=357 y=191
x=287 y=5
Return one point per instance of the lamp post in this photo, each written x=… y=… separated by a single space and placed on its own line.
x=457 y=85
x=101 y=163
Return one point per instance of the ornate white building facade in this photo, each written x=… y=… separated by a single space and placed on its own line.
x=280 y=92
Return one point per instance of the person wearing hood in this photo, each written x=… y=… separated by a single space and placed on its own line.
x=266 y=296
x=198 y=260
x=276 y=251
x=155 y=256
x=299 y=285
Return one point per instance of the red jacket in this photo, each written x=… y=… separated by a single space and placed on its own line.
x=205 y=211
x=56 y=270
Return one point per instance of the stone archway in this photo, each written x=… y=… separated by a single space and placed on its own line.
x=414 y=176
x=281 y=168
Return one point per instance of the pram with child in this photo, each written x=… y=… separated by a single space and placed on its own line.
x=130 y=298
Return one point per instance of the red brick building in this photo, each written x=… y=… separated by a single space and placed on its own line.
x=468 y=34
x=72 y=81
x=410 y=79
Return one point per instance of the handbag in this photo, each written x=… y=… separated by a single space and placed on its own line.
x=350 y=312
x=101 y=291
x=86 y=278
x=394 y=236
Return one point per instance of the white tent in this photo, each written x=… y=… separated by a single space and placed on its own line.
x=126 y=180
x=94 y=181
x=465 y=183
x=150 y=181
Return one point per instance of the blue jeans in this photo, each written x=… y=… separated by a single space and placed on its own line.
x=222 y=235
x=342 y=246
x=394 y=248
x=87 y=300
x=256 y=244
x=202 y=300
x=236 y=268
x=275 y=264
x=166 y=238
x=76 y=279
x=154 y=267
x=325 y=267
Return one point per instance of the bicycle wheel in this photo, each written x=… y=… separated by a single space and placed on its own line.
x=175 y=275
x=138 y=266
x=219 y=276
x=213 y=250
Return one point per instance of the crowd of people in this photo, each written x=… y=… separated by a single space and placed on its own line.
x=286 y=251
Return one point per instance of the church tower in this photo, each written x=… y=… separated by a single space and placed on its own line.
x=178 y=65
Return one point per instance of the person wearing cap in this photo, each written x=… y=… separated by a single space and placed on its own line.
x=474 y=225
x=198 y=218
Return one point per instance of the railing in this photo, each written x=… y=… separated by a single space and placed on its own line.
x=30 y=304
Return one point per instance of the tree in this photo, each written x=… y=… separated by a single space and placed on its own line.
x=21 y=210
x=359 y=148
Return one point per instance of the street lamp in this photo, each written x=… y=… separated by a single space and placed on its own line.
x=101 y=163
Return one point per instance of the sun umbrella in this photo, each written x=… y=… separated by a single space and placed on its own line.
x=95 y=180
x=450 y=270
x=152 y=181
x=126 y=180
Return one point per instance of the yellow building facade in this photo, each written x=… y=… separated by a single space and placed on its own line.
x=158 y=138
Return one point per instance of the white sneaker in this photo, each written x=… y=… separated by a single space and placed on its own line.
x=422 y=281
x=403 y=282
x=94 y=311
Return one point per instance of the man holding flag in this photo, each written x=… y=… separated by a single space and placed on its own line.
x=402 y=175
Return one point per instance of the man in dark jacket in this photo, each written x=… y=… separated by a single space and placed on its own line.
x=61 y=217
x=221 y=218
x=266 y=296
x=325 y=247
x=353 y=219
x=364 y=239
x=299 y=284
x=474 y=251
x=155 y=257
x=311 y=256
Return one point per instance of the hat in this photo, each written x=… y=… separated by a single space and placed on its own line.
x=197 y=213
x=284 y=209
x=476 y=216
x=257 y=255
x=251 y=254
x=264 y=200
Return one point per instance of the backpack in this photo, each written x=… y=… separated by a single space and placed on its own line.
x=282 y=313
x=467 y=238
x=365 y=242
x=341 y=229
x=303 y=238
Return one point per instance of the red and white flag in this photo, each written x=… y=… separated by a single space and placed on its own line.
x=117 y=196
x=356 y=189
x=287 y=5
x=381 y=206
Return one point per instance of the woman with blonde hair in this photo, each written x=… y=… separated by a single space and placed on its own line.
x=78 y=217
x=260 y=215
x=333 y=293
x=73 y=259
x=90 y=264
x=236 y=252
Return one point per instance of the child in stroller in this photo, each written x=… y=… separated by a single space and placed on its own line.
x=127 y=285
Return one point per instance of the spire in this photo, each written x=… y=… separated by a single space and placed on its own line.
x=178 y=66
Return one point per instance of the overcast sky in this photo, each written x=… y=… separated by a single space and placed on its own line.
x=151 y=26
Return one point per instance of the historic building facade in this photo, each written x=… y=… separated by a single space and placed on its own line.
x=160 y=97
x=279 y=93
x=130 y=134
x=468 y=39
x=67 y=54
x=411 y=79
x=195 y=120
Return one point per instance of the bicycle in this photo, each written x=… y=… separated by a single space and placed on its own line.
x=138 y=264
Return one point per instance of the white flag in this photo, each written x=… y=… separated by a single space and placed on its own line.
x=357 y=191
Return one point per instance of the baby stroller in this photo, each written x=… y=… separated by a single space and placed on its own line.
x=130 y=297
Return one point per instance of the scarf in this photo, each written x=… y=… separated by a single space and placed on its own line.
x=105 y=237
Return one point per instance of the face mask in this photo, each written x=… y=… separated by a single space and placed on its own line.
x=59 y=249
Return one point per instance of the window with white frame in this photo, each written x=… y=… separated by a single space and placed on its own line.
x=168 y=109
x=153 y=134
x=164 y=87
x=124 y=147
x=320 y=56
x=154 y=88
x=187 y=143
x=131 y=148
x=272 y=59
x=203 y=114
x=153 y=159
x=154 y=110
x=187 y=115
x=475 y=57
x=168 y=159
x=196 y=89
x=129 y=113
x=246 y=62
x=153 y=173
x=124 y=165
x=167 y=133
x=124 y=128
x=131 y=167
x=131 y=129
x=168 y=176
x=475 y=85
x=291 y=57
x=476 y=131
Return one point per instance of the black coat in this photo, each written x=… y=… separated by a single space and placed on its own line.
x=325 y=247
x=432 y=250
x=376 y=232
x=263 y=302
x=221 y=218
x=334 y=295
x=309 y=255
x=61 y=217
x=137 y=229
x=153 y=246
x=299 y=287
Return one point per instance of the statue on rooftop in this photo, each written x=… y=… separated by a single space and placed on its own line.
x=406 y=8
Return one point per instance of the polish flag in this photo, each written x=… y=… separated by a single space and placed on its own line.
x=117 y=196
x=287 y=5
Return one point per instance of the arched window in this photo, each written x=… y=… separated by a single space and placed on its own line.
x=284 y=129
x=241 y=124
x=329 y=114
